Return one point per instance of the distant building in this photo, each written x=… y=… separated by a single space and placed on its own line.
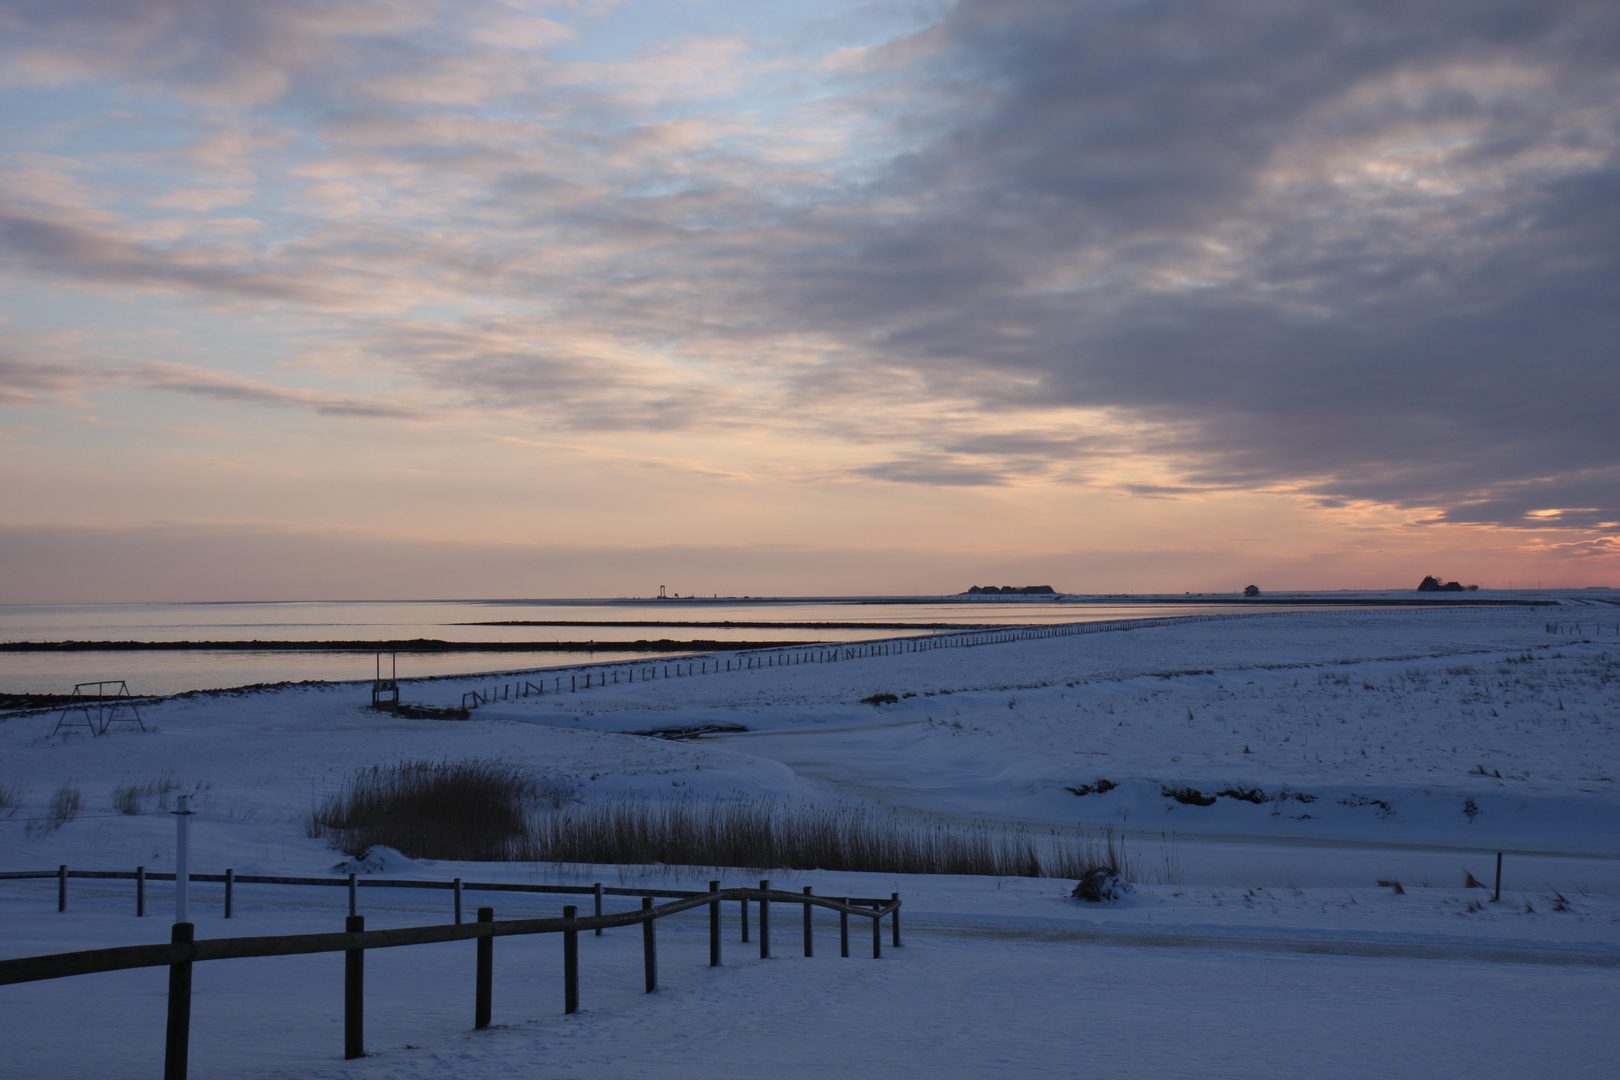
x=1430 y=583
x=1252 y=590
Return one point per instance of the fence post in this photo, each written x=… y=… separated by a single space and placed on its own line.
x=354 y=993
x=895 y=915
x=570 y=963
x=764 y=923
x=230 y=881
x=61 y=887
x=457 y=887
x=808 y=908
x=140 y=891
x=649 y=945
x=598 y=905
x=177 y=1039
x=1498 y=895
x=486 y=973
x=353 y=908
x=714 y=927
x=877 y=935
x=744 y=905
x=843 y=931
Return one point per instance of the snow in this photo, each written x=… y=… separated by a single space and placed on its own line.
x=1257 y=940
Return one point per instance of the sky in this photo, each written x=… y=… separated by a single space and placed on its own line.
x=458 y=298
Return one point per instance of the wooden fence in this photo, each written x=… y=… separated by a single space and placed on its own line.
x=353 y=882
x=183 y=949
x=1592 y=628
x=610 y=672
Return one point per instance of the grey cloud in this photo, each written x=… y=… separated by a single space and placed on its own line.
x=217 y=53
x=102 y=255
x=32 y=382
x=530 y=367
x=1163 y=491
x=935 y=470
x=1212 y=216
x=216 y=386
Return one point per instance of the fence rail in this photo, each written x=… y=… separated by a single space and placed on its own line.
x=611 y=672
x=183 y=950
x=1593 y=628
x=230 y=878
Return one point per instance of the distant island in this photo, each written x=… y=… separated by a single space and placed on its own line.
x=1432 y=584
x=1009 y=590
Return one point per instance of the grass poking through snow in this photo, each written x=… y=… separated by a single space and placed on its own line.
x=497 y=811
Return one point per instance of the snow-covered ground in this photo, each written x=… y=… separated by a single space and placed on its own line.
x=1354 y=746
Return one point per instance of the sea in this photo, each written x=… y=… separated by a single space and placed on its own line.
x=363 y=623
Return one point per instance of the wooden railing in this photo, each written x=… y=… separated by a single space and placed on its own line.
x=183 y=950
x=230 y=878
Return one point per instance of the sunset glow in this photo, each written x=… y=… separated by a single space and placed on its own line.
x=410 y=298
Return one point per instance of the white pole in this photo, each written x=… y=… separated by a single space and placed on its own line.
x=182 y=862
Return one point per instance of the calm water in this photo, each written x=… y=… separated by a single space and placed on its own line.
x=195 y=669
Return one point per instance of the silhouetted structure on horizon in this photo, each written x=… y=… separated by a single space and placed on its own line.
x=1430 y=583
x=1011 y=590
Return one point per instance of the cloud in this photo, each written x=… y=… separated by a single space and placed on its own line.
x=31 y=379
x=1368 y=253
x=936 y=470
x=110 y=256
x=198 y=382
x=1360 y=251
x=212 y=53
x=31 y=382
x=202 y=199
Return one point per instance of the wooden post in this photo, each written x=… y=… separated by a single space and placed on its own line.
x=353 y=907
x=354 y=993
x=140 y=891
x=570 y=963
x=895 y=915
x=764 y=923
x=744 y=905
x=877 y=936
x=1498 y=894
x=599 y=905
x=485 y=992
x=230 y=881
x=61 y=887
x=177 y=1040
x=843 y=931
x=714 y=927
x=809 y=948
x=458 y=901
x=649 y=945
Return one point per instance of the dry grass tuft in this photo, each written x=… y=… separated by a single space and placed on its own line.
x=1080 y=858
x=127 y=799
x=65 y=805
x=474 y=810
